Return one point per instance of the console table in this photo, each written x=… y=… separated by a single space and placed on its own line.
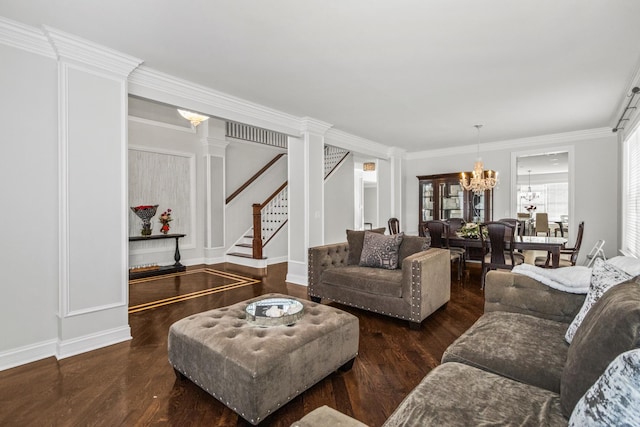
x=166 y=269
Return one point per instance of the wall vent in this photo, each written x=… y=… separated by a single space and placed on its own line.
x=254 y=134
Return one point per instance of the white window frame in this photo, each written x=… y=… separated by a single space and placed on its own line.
x=631 y=194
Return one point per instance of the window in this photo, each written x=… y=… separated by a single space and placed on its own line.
x=631 y=195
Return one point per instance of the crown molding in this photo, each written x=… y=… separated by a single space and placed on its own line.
x=510 y=144
x=309 y=124
x=356 y=144
x=70 y=47
x=24 y=37
x=149 y=83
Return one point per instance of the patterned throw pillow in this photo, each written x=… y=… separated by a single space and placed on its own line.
x=380 y=251
x=355 y=240
x=603 y=277
x=614 y=399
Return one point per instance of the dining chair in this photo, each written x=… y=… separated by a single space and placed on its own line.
x=570 y=254
x=394 y=225
x=563 y=225
x=497 y=246
x=455 y=224
x=542 y=223
x=438 y=230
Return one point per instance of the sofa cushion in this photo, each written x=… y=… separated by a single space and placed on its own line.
x=603 y=277
x=380 y=251
x=614 y=399
x=412 y=245
x=517 y=346
x=611 y=327
x=454 y=394
x=376 y=281
x=355 y=239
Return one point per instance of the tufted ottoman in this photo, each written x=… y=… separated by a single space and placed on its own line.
x=254 y=370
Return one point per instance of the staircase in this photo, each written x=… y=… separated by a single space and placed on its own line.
x=271 y=216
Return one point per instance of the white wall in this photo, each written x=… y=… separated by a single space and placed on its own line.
x=595 y=183
x=339 y=203
x=29 y=194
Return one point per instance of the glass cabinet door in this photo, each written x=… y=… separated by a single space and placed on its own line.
x=426 y=190
x=451 y=200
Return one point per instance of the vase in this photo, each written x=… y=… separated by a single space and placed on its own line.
x=145 y=213
x=165 y=228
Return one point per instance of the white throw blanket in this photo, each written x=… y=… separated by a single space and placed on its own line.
x=574 y=279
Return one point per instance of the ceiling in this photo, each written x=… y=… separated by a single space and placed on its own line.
x=413 y=74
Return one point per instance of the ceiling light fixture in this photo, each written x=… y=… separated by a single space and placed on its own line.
x=530 y=195
x=194 y=118
x=480 y=180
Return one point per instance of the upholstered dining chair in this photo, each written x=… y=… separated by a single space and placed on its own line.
x=455 y=224
x=438 y=230
x=542 y=223
x=497 y=246
x=568 y=256
x=394 y=225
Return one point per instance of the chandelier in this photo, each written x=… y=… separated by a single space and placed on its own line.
x=530 y=195
x=194 y=118
x=480 y=180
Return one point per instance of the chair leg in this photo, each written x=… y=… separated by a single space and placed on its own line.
x=484 y=273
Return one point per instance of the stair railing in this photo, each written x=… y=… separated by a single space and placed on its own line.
x=268 y=218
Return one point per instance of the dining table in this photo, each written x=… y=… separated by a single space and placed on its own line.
x=550 y=244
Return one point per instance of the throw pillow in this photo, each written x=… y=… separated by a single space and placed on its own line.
x=411 y=245
x=610 y=328
x=603 y=277
x=380 y=251
x=614 y=400
x=355 y=239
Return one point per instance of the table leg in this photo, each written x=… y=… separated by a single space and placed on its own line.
x=176 y=256
x=555 y=258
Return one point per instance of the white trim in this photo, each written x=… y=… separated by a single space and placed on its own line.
x=27 y=354
x=97 y=308
x=355 y=143
x=149 y=83
x=297 y=273
x=521 y=143
x=25 y=37
x=309 y=124
x=156 y=123
x=74 y=346
x=71 y=47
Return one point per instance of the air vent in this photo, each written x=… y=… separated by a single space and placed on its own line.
x=254 y=134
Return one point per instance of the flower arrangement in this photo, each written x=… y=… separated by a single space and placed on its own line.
x=470 y=230
x=165 y=219
x=145 y=213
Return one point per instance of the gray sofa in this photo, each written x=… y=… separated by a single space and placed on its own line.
x=513 y=366
x=412 y=292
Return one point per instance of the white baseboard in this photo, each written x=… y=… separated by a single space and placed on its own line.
x=297 y=273
x=27 y=354
x=86 y=343
x=277 y=260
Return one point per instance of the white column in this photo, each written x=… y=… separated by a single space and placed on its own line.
x=214 y=147
x=396 y=162
x=306 y=196
x=93 y=211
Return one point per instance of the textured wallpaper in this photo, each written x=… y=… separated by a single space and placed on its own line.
x=164 y=180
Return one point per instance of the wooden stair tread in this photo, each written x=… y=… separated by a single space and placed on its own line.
x=244 y=245
x=243 y=255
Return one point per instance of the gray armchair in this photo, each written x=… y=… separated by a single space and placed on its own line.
x=411 y=292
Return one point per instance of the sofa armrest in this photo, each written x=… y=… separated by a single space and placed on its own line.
x=323 y=257
x=426 y=281
x=516 y=293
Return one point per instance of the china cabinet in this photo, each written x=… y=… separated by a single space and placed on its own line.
x=442 y=197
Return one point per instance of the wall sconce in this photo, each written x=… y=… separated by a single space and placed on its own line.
x=194 y=118
x=369 y=166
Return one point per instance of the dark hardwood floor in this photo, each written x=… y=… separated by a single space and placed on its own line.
x=132 y=383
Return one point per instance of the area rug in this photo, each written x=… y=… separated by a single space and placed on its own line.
x=153 y=292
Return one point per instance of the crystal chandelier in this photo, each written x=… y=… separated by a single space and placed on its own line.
x=194 y=118
x=480 y=180
x=530 y=195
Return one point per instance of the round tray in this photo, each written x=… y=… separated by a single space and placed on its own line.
x=274 y=311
